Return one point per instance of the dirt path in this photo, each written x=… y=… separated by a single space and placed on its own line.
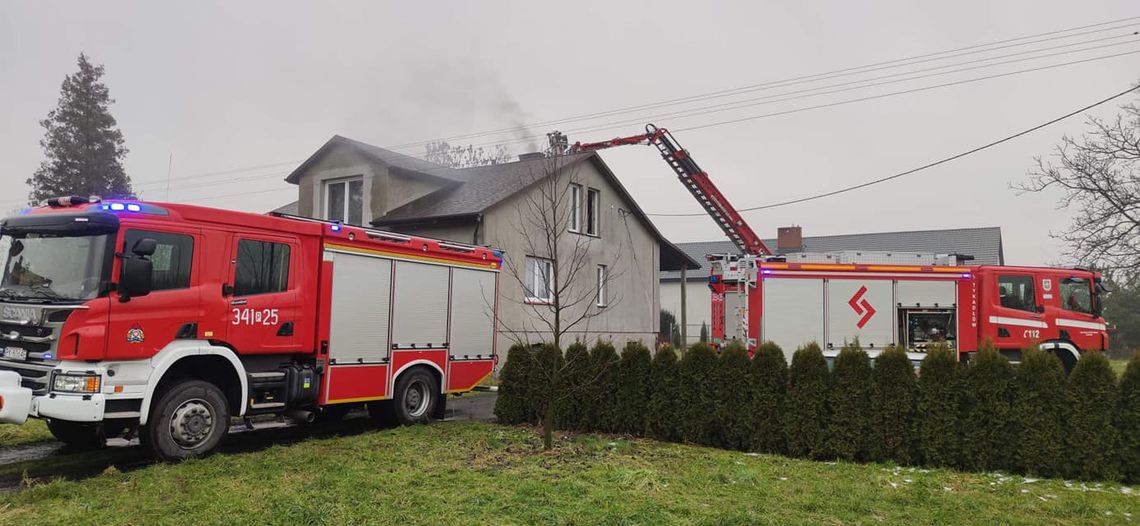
x=49 y=460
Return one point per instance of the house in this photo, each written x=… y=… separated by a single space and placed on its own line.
x=603 y=233
x=983 y=244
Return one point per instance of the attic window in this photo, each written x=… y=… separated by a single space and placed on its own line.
x=344 y=201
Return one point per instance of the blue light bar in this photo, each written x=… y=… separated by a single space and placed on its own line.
x=118 y=207
x=134 y=208
x=335 y=227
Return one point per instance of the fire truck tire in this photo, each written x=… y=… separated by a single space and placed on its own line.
x=77 y=435
x=189 y=420
x=416 y=397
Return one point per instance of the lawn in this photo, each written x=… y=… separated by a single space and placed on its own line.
x=34 y=430
x=472 y=473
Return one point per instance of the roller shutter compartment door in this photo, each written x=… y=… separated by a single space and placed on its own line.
x=472 y=313
x=360 y=299
x=793 y=313
x=860 y=309
x=420 y=306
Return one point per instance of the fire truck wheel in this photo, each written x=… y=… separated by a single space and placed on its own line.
x=416 y=396
x=187 y=421
x=77 y=435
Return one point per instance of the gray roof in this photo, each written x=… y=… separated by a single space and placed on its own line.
x=387 y=157
x=982 y=243
x=292 y=209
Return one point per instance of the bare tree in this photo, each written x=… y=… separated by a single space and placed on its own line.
x=563 y=288
x=444 y=154
x=1098 y=174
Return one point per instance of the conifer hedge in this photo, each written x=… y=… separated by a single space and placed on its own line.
x=849 y=426
x=631 y=406
x=1129 y=421
x=698 y=408
x=733 y=390
x=769 y=384
x=601 y=412
x=511 y=407
x=666 y=395
x=576 y=378
x=939 y=401
x=546 y=367
x=893 y=407
x=988 y=423
x=1090 y=437
x=1039 y=399
x=805 y=409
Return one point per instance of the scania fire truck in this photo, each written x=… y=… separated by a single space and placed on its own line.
x=910 y=299
x=166 y=320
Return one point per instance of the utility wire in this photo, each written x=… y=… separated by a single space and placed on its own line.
x=923 y=167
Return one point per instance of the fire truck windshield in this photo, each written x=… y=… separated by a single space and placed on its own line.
x=51 y=267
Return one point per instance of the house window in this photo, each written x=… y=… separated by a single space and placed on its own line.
x=171 y=258
x=1017 y=292
x=603 y=278
x=262 y=268
x=344 y=201
x=593 y=209
x=539 y=280
x=575 y=208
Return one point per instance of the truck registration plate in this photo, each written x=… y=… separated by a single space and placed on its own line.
x=15 y=353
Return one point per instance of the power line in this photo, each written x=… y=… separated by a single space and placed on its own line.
x=877 y=66
x=923 y=167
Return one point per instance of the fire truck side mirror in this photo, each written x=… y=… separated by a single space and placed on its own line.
x=136 y=278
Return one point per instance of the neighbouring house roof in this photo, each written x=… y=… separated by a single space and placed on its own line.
x=292 y=209
x=982 y=243
x=471 y=191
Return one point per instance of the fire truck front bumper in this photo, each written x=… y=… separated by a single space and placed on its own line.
x=15 y=400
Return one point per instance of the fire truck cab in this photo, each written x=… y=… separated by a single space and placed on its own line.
x=166 y=320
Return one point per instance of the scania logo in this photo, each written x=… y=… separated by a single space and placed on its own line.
x=861 y=306
x=18 y=314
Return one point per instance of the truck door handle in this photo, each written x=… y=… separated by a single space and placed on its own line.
x=286 y=329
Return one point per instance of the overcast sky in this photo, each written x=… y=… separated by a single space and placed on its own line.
x=252 y=88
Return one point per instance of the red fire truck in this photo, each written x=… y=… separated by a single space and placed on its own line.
x=166 y=320
x=881 y=299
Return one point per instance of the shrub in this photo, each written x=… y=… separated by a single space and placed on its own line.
x=769 y=383
x=545 y=381
x=805 y=410
x=987 y=426
x=513 y=404
x=576 y=378
x=893 y=410
x=733 y=389
x=698 y=399
x=1090 y=435
x=601 y=411
x=939 y=399
x=849 y=428
x=1129 y=421
x=1038 y=399
x=632 y=402
x=666 y=395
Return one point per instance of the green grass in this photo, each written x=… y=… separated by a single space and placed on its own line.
x=468 y=473
x=1118 y=366
x=34 y=430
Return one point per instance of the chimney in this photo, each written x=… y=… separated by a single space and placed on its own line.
x=531 y=156
x=789 y=238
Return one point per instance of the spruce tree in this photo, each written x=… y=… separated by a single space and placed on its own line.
x=733 y=388
x=666 y=395
x=805 y=410
x=769 y=384
x=512 y=404
x=894 y=407
x=1091 y=441
x=1129 y=421
x=1039 y=396
x=576 y=378
x=849 y=426
x=602 y=408
x=633 y=388
x=939 y=407
x=83 y=147
x=698 y=399
x=988 y=425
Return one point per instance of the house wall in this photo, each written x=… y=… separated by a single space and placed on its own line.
x=624 y=245
x=462 y=233
x=698 y=302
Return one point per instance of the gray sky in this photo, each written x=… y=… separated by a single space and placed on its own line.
x=240 y=85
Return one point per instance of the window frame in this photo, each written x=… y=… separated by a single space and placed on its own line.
x=156 y=235
x=529 y=280
x=602 y=275
x=346 y=211
x=1069 y=282
x=594 y=205
x=575 y=220
x=289 y=262
x=1032 y=307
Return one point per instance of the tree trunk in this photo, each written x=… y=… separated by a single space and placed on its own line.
x=548 y=427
